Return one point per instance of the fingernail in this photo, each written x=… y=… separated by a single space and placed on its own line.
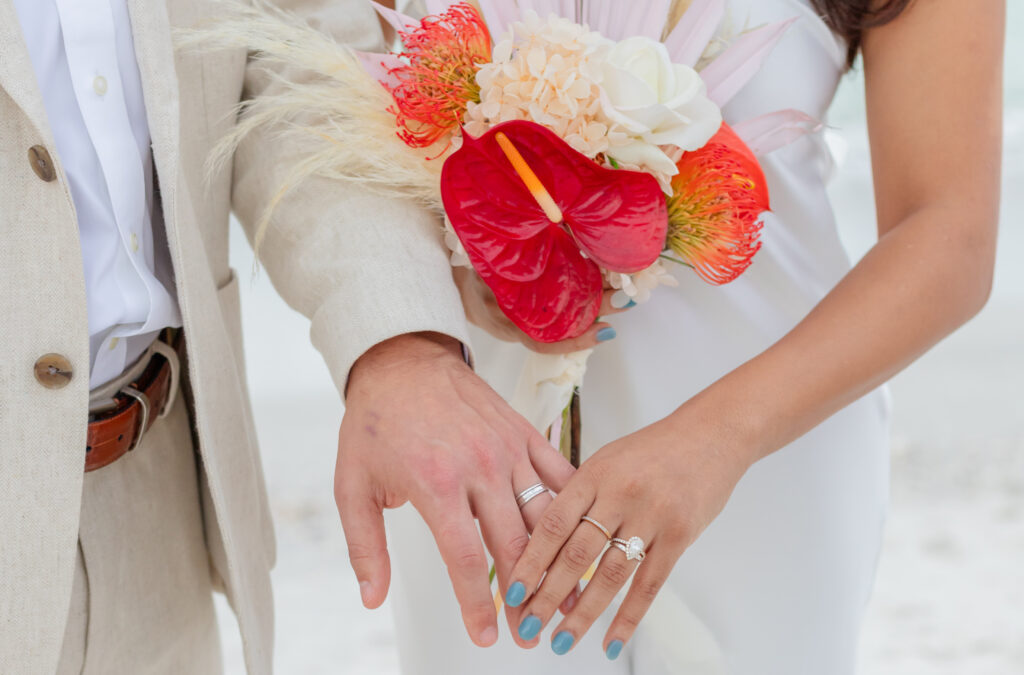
x=364 y=591
x=614 y=649
x=562 y=642
x=515 y=595
x=489 y=636
x=529 y=628
x=622 y=301
x=606 y=334
x=570 y=602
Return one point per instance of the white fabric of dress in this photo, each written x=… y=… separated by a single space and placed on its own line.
x=778 y=584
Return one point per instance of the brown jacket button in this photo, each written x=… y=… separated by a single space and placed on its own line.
x=41 y=163
x=53 y=371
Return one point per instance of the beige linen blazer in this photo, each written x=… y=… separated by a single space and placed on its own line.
x=362 y=269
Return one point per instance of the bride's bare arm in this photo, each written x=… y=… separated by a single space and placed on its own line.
x=934 y=85
x=934 y=95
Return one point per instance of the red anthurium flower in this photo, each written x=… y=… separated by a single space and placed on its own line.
x=544 y=265
x=719 y=197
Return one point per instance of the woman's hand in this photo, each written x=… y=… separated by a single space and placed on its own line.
x=664 y=484
x=483 y=311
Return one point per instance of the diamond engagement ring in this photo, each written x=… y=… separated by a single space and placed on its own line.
x=529 y=493
x=633 y=548
x=604 y=530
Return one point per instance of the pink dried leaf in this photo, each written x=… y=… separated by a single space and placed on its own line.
x=691 y=36
x=620 y=19
x=499 y=14
x=399 y=21
x=379 y=66
x=737 y=65
x=770 y=132
x=544 y=8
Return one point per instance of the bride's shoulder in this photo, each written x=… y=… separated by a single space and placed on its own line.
x=804 y=67
x=809 y=30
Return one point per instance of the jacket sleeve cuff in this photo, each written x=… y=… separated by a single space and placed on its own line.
x=350 y=322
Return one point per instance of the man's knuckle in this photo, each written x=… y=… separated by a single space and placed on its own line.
x=555 y=525
x=515 y=545
x=467 y=559
x=358 y=552
x=444 y=481
x=483 y=457
x=482 y=609
x=516 y=444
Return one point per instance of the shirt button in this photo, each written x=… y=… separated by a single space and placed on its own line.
x=53 y=371
x=99 y=85
x=41 y=163
x=135 y=243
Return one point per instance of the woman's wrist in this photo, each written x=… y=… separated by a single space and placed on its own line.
x=723 y=418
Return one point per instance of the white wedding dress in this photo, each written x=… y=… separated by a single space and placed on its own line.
x=778 y=584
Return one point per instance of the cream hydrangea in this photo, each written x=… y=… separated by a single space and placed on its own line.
x=584 y=87
x=547 y=71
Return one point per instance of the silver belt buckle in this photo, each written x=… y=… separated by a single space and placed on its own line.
x=144 y=401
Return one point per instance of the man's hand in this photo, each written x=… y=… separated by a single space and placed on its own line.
x=421 y=426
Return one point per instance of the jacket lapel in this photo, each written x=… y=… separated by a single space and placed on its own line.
x=154 y=52
x=216 y=385
x=17 y=76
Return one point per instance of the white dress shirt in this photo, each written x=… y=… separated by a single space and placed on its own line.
x=84 y=59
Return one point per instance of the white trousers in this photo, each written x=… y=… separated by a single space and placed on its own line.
x=142 y=601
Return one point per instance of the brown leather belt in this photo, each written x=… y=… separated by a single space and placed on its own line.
x=134 y=410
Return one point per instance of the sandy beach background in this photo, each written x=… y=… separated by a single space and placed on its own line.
x=950 y=592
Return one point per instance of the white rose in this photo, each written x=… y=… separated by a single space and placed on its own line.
x=656 y=102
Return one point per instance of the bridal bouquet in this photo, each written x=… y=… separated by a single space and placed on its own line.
x=572 y=146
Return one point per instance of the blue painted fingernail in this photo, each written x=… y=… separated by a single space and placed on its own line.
x=614 y=649
x=562 y=642
x=529 y=628
x=630 y=304
x=515 y=595
x=606 y=334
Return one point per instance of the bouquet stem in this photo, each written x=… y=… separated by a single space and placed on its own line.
x=572 y=429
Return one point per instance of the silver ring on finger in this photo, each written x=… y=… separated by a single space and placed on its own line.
x=604 y=530
x=632 y=547
x=524 y=497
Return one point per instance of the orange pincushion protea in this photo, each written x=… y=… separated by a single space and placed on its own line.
x=714 y=213
x=438 y=77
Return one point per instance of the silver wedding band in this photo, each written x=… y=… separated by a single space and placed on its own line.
x=604 y=530
x=524 y=497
